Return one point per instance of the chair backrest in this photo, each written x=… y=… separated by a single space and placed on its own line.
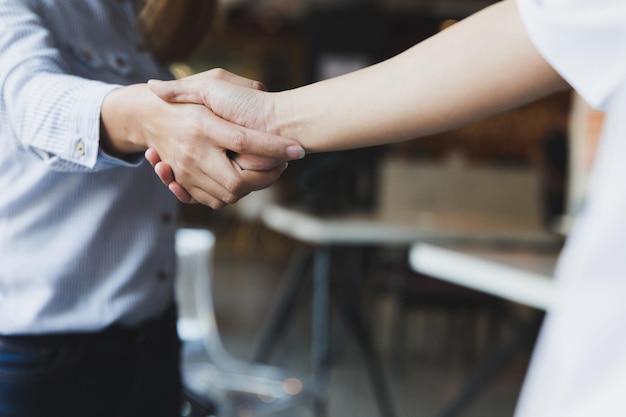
x=222 y=372
x=197 y=320
x=194 y=249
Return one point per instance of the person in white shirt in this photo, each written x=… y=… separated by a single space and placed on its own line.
x=508 y=54
x=87 y=261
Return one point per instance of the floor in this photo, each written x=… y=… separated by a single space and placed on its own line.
x=433 y=367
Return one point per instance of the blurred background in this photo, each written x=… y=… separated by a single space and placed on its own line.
x=527 y=167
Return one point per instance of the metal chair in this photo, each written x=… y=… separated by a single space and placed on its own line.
x=210 y=373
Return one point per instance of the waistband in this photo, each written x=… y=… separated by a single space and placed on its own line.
x=159 y=325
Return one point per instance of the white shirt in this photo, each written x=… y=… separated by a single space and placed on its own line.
x=579 y=364
x=85 y=239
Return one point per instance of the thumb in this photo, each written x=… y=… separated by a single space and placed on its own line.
x=177 y=91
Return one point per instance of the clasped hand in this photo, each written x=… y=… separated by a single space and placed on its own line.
x=221 y=150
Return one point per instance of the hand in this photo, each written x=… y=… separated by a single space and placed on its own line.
x=233 y=98
x=166 y=174
x=195 y=144
x=235 y=103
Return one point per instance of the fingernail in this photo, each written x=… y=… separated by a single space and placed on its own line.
x=154 y=82
x=285 y=165
x=295 y=152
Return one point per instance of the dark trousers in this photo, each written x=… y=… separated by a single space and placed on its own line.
x=118 y=372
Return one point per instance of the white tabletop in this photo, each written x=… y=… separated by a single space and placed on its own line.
x=396 y=228
x=522 y=276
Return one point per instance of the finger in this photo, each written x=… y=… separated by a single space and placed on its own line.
x=242 y=140
x=222 y=74
x=218 y=184
x=165 y=173
x=239 y=183
x=209 y=200
x=215 y=200
x=224 y=183
x=216 y=197
x=255 y=162
x=152 y=156
x=258 y=180
x=197 y=195
x=193 y=89
x=181 y=194
x=180 y=91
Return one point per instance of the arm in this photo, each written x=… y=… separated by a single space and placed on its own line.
x=49 y=112
x=68 y=120
x=480 y=66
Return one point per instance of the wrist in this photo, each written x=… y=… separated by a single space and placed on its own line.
x=119 y=130
x=283 y=115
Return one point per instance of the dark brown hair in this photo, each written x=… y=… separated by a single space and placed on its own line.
x=174 y=29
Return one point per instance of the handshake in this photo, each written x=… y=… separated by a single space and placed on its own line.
x=211 y=137
x=214 y=137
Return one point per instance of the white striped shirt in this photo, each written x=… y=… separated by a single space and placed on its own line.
x=86 y=240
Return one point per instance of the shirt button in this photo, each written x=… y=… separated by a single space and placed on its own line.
x=120 y=62
x=162 y=275
x=80 y=148
x=86 y=55
x=166 y=218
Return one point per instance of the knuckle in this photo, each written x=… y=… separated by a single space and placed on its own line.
x=185 y=175
x=234 y=189
x=215 y=204
x=258 y=85
x=195 y=129
x=238 y=141
x=231 y=199
x=210 y=201
x=184 y=164
x=233 y=194
x=219 y=73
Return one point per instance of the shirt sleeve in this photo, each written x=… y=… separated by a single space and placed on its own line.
x=54 y=114
x=584 y=40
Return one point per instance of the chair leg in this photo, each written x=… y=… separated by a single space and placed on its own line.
x=481 y=379
x=398 y=346
x=196 y=406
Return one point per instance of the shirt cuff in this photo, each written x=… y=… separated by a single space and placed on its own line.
x=84 y=122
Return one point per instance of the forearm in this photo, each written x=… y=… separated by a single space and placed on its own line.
x=481 y=66
x=56 y=116
x=53 y=114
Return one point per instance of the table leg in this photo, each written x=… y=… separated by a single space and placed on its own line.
x=352 y=311
x=320 y=343
x=291 y=284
